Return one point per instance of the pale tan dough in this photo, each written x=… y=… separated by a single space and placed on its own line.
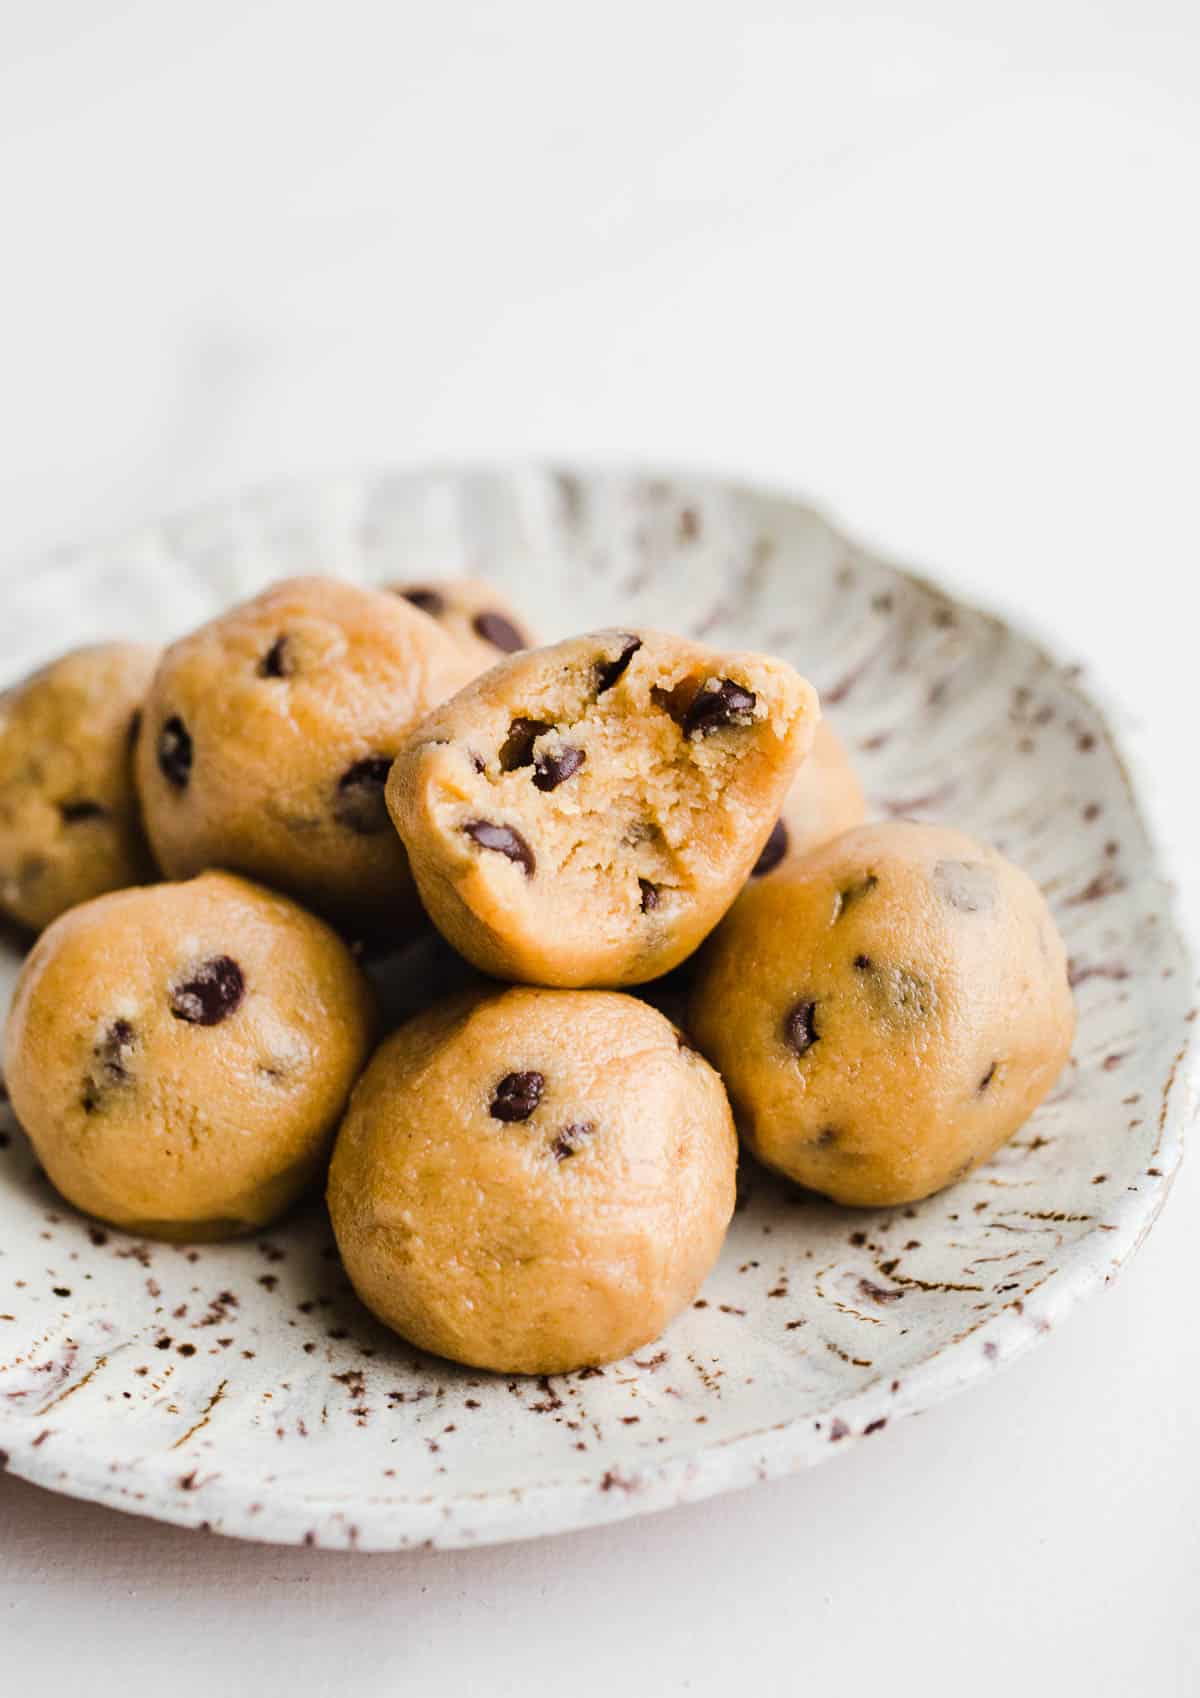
x=584 y=814
x=483 y=622
x=825 y=799
x=70 y=826
x=533 y=1180
x=267 y=739
x=886 y=1013
x=180 y=1054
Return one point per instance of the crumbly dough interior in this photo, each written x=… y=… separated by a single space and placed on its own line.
x=596 y=805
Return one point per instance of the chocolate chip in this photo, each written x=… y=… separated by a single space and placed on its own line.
x=73 y=812
x=608 y=671
x=494 y=628
x=211 y=994
x=853 y=893
x=967 y=885
x=550 y=770
x=800 y=1027
x=359 y=804
x=773 y=851
x=862 y=963
x=572 y=1139
x=504 y=840
x=719 y=702
x=987 y=1078
x=517 y=1095
x=277 y=662
x=432 y=602
x=114 y=1049
x=517 y=748
x=175 y=752
x=650 y=895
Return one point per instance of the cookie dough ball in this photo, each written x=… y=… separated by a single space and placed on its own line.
x=887 y=1013
x=584 y=814
x=267 y=739
x=180 y=1054
x=825 y=799
x=482 y=621
x=533 y=1180
x=69 y=820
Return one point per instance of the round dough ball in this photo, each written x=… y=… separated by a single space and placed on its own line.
x=584 y=814
x=267 y=739
x=825 y=799
x=887 y=1013
x=533 y=1181
x=482 y=621
x=69 y=819
x=180 y=1055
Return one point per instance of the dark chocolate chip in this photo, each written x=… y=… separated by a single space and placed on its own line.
x=572 y=1138
x=73 y=812
x=988 y=1077
x=552 y=769
x=211 y=994
x=862 y=963
x=114 y=1049
x=608 y=671
x=800 y=1027
x=359 y=804
x=826 y=1137
x=494 y=628
x=773 y=851
x=650 y=895
x=277 y=662
x=966 y=885
x=517 y=1095
x=517 y=748
x=718 y=702
x=432 y=602
x=175 y=752
x=504 y=840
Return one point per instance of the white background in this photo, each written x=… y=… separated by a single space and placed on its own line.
x=935 y=264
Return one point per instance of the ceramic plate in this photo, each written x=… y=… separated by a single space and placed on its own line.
x=242 y=1388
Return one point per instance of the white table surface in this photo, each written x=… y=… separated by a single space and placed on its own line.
x=934 y=264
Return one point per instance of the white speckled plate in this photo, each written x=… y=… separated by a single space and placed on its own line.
x=242 y=1388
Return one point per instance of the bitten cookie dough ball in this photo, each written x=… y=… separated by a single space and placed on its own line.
x=584 y=814
x=481 y=620
x=70 y=826
x=887 y=1013
x=267 y=739
x=825 y=799
x=533 y=1181
x=180 y=1055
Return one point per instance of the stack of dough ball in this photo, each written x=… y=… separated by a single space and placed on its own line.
x=584 y=814
x=825 y=799
x=179 y=1055
x=69 y=821
x=470 y=610
x=887 y=1012
x=267 y=739
x=533 y=1180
